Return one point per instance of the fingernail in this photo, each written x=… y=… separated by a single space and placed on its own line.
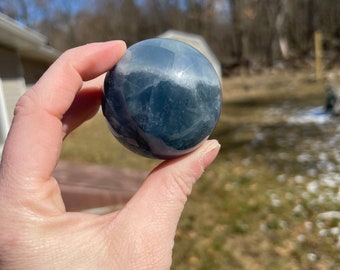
x=120 y=43
x=210 y=152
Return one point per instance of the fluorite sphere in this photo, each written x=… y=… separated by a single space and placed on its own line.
x=162 y=99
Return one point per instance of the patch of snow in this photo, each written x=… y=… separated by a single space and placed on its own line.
x=329 y=215
x=314 y=115
x=313 y=187
x=312 y=257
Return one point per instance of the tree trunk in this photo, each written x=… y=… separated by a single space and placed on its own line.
x=280 y=29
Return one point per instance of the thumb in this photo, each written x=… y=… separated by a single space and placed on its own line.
x=157 y=206
x=166 y=189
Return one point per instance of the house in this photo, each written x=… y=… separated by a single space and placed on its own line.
x=24 y=57
x=197 y=42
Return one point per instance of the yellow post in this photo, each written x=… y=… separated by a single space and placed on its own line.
x=318 y=56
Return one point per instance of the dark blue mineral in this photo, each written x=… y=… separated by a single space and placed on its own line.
x=162 y=99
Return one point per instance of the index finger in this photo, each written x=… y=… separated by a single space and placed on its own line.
x=59 y=85
x=34 y=141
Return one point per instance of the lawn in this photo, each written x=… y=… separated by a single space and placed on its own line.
x=271 y=200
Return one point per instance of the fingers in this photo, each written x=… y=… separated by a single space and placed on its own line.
x=57 y=88
x=84 y=107
x=34 y=141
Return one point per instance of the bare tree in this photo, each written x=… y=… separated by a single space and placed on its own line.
x=280 y=25
x=25 y=11
x=261 y=31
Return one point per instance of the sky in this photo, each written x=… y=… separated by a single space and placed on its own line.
x=73 y=6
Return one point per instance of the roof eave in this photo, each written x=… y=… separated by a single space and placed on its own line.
x=26 y=41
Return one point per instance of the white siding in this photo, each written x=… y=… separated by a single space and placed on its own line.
x=4 y=123
x=13 y=82
x=13 y=89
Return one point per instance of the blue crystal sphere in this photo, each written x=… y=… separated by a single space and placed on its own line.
x=162 y=99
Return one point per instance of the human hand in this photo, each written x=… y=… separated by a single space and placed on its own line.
x=35 y=230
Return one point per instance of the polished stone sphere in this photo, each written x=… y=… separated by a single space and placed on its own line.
x=162 y=99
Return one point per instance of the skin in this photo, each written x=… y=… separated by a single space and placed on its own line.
x=35 y=230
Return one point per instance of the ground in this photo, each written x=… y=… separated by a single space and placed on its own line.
x=96 y=187
x=271 y=200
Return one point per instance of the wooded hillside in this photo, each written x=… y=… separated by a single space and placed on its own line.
x=248 y=33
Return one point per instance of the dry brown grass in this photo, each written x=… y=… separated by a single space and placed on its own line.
x=255 y=207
